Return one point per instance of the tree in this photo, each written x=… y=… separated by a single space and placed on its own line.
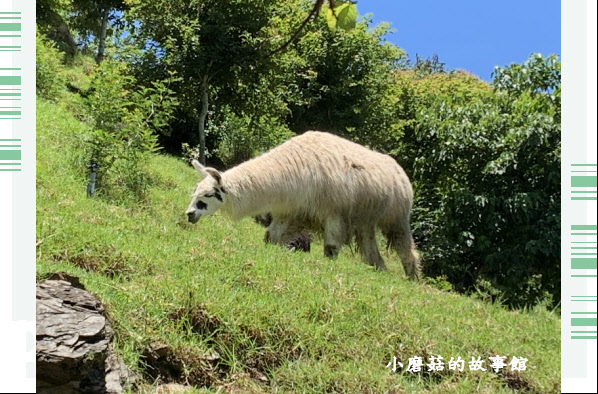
x=432 y=65
x=337 y=13
x=51 y=23
x=235 y=56
x=92 y=19
x=208 y=43
x=344 y=82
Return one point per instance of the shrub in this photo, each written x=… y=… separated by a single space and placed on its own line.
x=50 y=77
x=242 y=138
x=487 y=177
x=124 y=118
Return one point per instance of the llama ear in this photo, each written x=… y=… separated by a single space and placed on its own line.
x=214 y=174
x=201 y=170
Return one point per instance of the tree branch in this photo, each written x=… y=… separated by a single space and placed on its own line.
x=314 y=11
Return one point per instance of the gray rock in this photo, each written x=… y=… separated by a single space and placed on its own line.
x=73 y=349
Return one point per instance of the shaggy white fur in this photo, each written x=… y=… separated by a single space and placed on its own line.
x=322 y=182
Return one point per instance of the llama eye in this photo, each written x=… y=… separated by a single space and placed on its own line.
x=201 y=205
x=215 y=194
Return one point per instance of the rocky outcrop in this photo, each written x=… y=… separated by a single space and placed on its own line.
x=74 y=352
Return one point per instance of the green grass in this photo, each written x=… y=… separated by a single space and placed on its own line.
x=227 y=312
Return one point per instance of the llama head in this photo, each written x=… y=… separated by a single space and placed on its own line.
x=209 y=194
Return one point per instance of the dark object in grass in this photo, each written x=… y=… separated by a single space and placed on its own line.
x=299 y=241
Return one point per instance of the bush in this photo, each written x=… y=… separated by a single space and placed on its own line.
x=50 y=77
x=123 y=140
x=486 y=173
x=241 y=138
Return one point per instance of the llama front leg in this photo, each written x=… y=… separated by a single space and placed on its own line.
x=277 y=231
x=333 y=236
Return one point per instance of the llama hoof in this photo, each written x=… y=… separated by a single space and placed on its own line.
x=414 y=276
x=331 y=251
x=267 y=237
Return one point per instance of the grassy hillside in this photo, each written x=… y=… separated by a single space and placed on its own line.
x=211 y=306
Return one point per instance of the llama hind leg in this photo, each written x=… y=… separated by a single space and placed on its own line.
x=368 y=248
x=400 y=239
x=334 y=236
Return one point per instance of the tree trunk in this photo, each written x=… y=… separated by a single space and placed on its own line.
x=202 y=120
x=102 y=41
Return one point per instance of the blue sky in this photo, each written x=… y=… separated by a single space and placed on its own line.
x=474 y=35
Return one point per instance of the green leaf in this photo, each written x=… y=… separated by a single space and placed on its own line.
x=344 y=15
x=330 y=18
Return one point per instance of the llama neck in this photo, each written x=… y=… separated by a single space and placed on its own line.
x=250 y=191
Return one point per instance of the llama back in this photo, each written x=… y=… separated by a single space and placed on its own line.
x=318 y=173
x=356 y=178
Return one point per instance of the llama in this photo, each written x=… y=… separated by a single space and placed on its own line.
x=322 y=182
